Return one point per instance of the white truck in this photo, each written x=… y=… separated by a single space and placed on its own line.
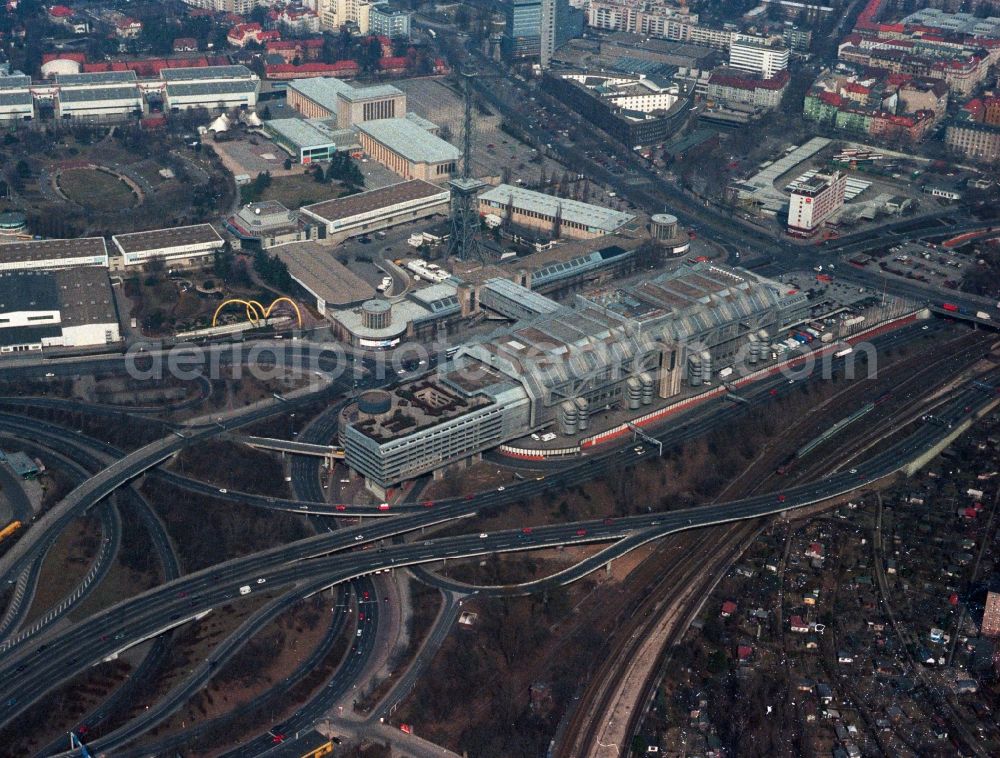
x=245 y=589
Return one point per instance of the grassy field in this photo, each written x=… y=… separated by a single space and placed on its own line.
x=300 y=189
x=97 y=190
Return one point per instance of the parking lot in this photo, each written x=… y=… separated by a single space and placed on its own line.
x=493 y=150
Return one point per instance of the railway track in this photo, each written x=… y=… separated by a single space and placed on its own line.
x=666 y=603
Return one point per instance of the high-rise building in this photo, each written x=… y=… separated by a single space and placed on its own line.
x=522 y=35
x=814 y=200
x=758 y=55
x=547 y=32
x=393 y=23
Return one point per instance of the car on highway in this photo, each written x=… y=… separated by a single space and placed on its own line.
x=261 y=580
x=383 y=506
x=359 y=633
x=340 y=507
x=501 y=488
x=428 y=503
x=223 y=490
x=358 y=537
x=525 y=530
x=781 y=498
x=580 y=532
x=49 y=375
x=483 y=535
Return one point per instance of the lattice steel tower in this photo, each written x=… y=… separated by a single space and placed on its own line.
x=465 y=241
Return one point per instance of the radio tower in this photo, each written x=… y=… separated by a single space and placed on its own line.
x=465 y=242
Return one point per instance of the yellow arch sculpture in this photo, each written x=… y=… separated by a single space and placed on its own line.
x=256 y=312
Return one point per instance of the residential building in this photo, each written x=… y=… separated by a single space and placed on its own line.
x=547 y=32
x=814 y=201
x=600 y=97
x=758 y=55
x=731 y=87
x=386 y=21
x=975 y=140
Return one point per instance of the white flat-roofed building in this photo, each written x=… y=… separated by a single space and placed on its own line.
x=99 y=102
x=35 y=254
x=536 y=210
x=211 y=87
x=405 y=147
x=390 y=22
x=758 y=55
x=16 y=102
x=179 y=245
x=308 y=140
x=378 y=208
x=63 y=308
x=814 y=201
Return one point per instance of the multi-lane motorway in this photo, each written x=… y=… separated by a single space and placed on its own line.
x=43 y=664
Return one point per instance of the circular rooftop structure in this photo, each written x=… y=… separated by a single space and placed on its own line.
x=12 y=221
x=663 y=226
x=374 y=402
x=60 y=66
x=376 y=314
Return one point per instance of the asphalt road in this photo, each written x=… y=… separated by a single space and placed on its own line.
x=30 y=673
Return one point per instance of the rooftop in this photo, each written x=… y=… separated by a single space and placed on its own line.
x=410 y=140
x=591 y=216
x=165 y=239
x=93 y=94
x=310 y=133
x=102 y=77
x=321 y=89
x=28 y=291
x=372 y=200
x=85 y=296
x=417 y=405
x=316 y=269
x=53 y=250
x=183 y=89
x=190 y=73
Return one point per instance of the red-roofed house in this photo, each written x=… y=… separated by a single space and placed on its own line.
x=728 y=609
x=60 y=14
x=298 y=20
x=290 y=49
x=815 y=550
x=242 y=34
x=730 y=86
x=744 y=653
x=340 y=69
x=128 y=28
x=185 y=45
x=397 y=65
x=797 y=625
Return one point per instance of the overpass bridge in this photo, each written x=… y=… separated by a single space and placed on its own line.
x=329 y=453
x=967 y=312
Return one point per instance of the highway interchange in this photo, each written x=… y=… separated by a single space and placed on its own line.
x=83 y=644
x=42 y=661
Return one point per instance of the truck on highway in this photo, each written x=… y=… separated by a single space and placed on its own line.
x=983 y=315
x=245 y=589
